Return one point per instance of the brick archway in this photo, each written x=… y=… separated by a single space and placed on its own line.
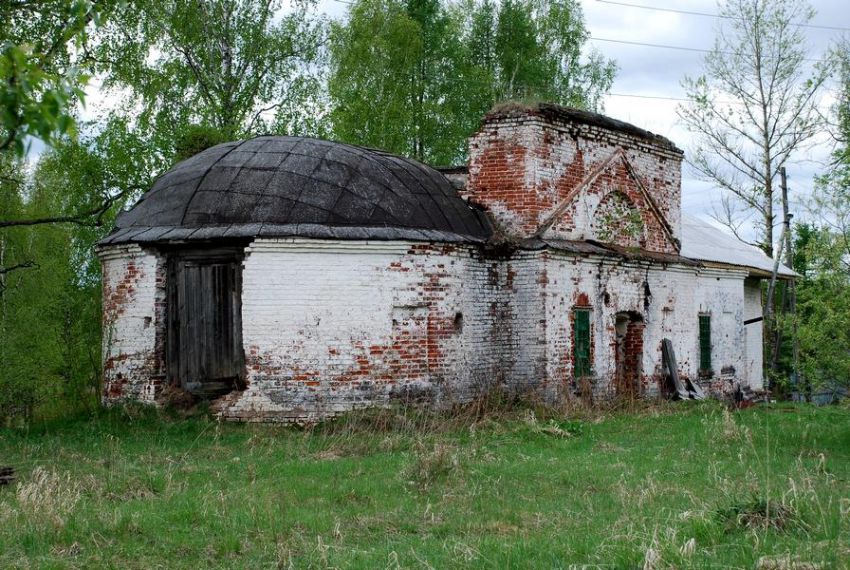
x=618 y=220
x=628 y=353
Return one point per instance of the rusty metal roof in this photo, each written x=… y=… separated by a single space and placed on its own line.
x=275 y=186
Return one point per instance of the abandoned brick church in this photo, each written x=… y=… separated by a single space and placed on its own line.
x=289 y=279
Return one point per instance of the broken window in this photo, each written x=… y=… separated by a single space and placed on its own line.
x=581 y=342
x=705 y=344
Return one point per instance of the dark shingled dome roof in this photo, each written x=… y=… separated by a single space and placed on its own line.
x=291 y=186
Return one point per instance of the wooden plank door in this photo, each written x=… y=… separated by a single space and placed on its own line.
x=205 y=323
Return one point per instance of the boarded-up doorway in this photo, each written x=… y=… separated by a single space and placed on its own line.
x=204 y=300
x=629 y=353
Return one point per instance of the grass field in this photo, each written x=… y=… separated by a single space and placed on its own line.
x=667 y=486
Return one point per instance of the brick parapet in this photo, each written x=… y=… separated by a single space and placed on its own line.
x=536 y=175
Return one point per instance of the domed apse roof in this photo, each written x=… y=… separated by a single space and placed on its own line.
x=275 y=186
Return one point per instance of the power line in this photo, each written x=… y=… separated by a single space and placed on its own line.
x=662 y=46
x=708 y=15
x=680 y=48
x=636 y=96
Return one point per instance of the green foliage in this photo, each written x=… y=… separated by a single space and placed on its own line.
x=229 y=65
x=529 y=50
x=823 y=304
x=416 y=77
x=50 y=304
x=822 y=256
x=196 y=138
x=686 y=486
x=41 y=73
x=49 y=319
x=538 y=54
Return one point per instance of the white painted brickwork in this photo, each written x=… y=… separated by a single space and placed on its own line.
x=669 y=300
x=132 y=319
x=330 y=326
x=333 y=325
x=753 y=335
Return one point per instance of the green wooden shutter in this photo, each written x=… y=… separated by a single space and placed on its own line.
x=705 y=343
x=581 y=348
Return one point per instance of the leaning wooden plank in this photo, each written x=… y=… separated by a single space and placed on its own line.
x=669 y=359
x=695 y=390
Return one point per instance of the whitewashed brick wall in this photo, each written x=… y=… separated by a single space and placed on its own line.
x=753 y=335
x=669 y=300
x=133 y=327
x=330 y=326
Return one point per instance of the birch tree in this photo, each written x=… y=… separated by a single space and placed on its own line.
x=755 y=105
x=415 y=76
x=226 y=65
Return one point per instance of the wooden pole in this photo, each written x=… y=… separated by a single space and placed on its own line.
x=791 y=290
x=783 y=306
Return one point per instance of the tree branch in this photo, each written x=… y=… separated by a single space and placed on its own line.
x=24 y=265
x=89 y=218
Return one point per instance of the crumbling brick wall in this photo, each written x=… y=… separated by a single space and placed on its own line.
x=133 y=323
x=330 y=326
x=669 y=300
x=563 y=178
x=333 y=325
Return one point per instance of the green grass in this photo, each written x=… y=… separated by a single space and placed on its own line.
x=668 y=486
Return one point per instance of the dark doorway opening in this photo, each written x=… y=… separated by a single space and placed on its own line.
x=628 y=355
x=204 y=333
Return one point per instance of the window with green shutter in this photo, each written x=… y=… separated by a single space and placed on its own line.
x=581 y=344
x=705 y=343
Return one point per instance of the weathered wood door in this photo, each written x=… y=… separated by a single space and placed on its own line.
x=205 y=355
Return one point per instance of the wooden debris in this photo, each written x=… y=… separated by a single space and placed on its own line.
x=668 y=356
x=669 y=359
x=695 y=390
x=7 y=475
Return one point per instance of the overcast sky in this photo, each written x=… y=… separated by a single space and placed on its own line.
x=658 y=72
x=653 y=72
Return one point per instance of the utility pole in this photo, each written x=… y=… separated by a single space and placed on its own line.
x=791 y=291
